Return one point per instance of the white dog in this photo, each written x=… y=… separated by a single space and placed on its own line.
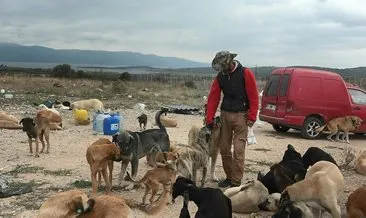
x=247 y=197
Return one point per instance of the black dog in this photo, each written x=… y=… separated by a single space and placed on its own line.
x=288 y=171
x=142 y=120
x=135 y=145
x=315 y=154
x=29 y=126
x=211 y=202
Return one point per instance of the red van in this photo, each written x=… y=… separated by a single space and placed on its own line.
x=302 y=98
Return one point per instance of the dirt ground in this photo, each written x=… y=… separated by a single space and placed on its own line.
x=65 y=167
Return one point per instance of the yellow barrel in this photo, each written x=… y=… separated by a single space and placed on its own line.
x=80 y=115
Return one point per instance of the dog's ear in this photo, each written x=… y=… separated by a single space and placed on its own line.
x=21 y=121
x=76 y=205
x=115 y=138
x=285 y=197
x=289 y=146
x=90 y=204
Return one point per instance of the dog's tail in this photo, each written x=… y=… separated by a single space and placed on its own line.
x=320 y=129
x=134 y=181
x=157 y=119
x=151 y=209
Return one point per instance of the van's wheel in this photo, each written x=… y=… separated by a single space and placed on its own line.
x=308 y=129
x=280 y=128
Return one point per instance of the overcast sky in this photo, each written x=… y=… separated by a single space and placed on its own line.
x=264 y=32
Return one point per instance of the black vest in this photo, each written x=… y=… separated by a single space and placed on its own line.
x=233 y=87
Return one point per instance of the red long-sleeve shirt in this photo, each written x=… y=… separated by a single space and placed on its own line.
x=213 y=99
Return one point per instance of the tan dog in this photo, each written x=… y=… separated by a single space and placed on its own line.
x=66 y=204
x=167 y=121
x=360 y=163
x=323 y=182
x=75 y=203
x=100 y=156
x=8 y=117
x=356 y=204
x=165 y=174
x=88 y=104
x=107 y=206
x=344 y=124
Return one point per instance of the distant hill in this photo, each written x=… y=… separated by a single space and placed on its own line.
x=10 y=52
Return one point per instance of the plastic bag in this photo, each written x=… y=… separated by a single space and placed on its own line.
x=251 y=140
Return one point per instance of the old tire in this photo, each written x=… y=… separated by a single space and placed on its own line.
x=280 y=128
x=308 y=129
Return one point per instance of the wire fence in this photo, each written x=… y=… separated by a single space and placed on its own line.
x=199 y=81
x=361 y=82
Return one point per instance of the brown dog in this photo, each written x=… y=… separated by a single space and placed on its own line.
x=64 y=205
x=75 y=203
x=356 y=204
x=344 y=124
x=165 y=174
x=38 y=129
x=101 y=155
x=142 y=121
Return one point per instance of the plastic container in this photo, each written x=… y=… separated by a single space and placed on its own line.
x=80 y=115
x=95 y=115
x=111 y=125
x=99 y=128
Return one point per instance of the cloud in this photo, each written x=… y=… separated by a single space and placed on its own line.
x=262 y=32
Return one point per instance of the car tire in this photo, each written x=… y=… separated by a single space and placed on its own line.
x=307 y=131
x=280 y=128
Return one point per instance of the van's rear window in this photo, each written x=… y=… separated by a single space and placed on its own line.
x=272 y=85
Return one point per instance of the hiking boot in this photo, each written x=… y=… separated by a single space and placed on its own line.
x=225 y=183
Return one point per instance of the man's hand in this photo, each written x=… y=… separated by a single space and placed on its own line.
x=250 y=123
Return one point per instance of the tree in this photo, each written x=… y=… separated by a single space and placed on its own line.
x=125 y=76
x=62 y=71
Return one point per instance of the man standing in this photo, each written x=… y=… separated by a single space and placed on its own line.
x=239 y=110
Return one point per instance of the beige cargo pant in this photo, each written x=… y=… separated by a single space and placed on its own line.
x=234 y=130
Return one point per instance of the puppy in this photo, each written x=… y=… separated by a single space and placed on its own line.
x=39 y=128
x=66 y=204
x=142 y=121
x=344 y=124
x=99 y=156
x=356 y=204
x=211 y=202
x=302 y=209
x=164 y=174
x=271 y=203
x=360 y=163
x=135 y=145
x=247 y=197
x=323 y=182
x=315 y=154
x=195 y=156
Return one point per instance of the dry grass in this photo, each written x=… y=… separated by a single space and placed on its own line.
x=30 y=89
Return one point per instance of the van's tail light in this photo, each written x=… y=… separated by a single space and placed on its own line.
x=290 y=106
